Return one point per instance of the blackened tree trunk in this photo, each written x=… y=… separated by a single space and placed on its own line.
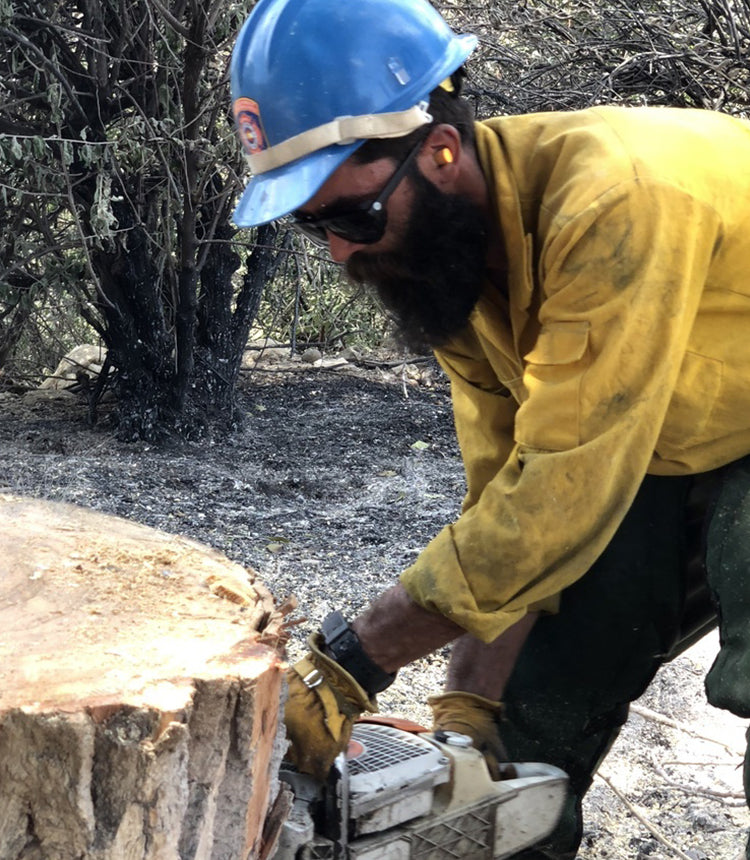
x=122 y=128
x=222 y=334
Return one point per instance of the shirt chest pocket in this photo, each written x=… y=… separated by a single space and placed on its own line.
x=549 y=419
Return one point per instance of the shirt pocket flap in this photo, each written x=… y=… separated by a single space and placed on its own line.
x=549 y=419
x=560 y=343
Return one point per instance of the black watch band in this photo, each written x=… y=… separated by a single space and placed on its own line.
x=342 y=644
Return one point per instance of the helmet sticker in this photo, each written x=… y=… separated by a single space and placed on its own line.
x=249 y=126
x=397 y=69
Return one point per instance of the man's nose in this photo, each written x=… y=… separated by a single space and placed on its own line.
x=341 y=249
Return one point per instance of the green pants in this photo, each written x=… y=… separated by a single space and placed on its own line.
x=571 y=688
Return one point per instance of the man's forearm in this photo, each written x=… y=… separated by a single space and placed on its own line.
x=394 y=630
x=484 y=669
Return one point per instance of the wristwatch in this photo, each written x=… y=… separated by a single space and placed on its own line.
x=342 y=645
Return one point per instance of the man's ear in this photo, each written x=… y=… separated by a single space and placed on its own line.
x=441 y=156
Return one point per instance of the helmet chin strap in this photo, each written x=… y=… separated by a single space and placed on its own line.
x=342 y=130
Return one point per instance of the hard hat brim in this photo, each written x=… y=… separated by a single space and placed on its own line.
x=277 y=193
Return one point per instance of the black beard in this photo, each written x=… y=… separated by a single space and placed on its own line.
x=431 y=282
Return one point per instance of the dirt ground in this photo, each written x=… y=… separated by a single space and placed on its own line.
x=335 y=482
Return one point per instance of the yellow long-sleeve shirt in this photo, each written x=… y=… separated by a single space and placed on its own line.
x=621 y=347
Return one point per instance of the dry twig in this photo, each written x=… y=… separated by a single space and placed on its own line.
x=728 y=797
x=656 y=717
x=649 y=825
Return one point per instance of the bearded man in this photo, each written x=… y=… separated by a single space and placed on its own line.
x=583 y=280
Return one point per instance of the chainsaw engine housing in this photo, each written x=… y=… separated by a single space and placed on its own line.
x=396 y=795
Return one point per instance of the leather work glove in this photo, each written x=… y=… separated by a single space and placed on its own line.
x=323 y=703
x=476 y=717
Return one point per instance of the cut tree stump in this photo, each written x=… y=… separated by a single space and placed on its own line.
x=141 y=680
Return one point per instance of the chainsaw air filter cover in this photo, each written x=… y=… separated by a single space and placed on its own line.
x=391 y=777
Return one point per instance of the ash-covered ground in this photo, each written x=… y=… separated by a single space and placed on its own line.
x=333 y=485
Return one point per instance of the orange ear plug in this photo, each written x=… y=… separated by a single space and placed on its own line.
x=444 y=156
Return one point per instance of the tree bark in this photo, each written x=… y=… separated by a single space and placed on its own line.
x=141 y=678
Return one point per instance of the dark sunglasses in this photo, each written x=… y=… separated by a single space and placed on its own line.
x=363 y=224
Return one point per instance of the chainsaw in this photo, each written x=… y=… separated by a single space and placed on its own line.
x=402 y=793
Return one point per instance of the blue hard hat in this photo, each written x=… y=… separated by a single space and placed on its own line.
x=299 y=65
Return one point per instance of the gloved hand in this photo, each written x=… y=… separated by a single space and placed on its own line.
x=323 y=703
x=476 y=717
